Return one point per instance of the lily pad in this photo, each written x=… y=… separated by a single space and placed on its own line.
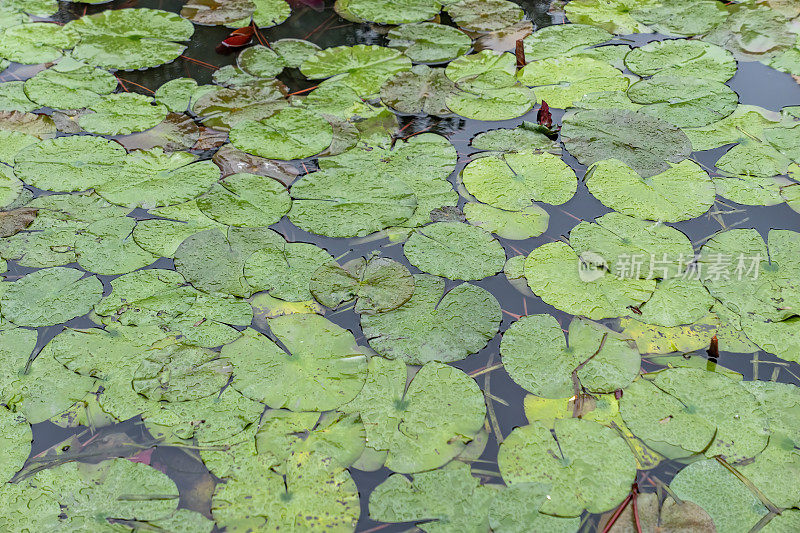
x=288 y=134
x=435 y=325
x=69 y=84
x=129 y=39
x=561 y=81
x=268 y=13
x=285 y=271
x=492 y=104
x=682 y=192
x=682 y=18
x=339 y=203
x=419 y=90
x=228 y=251
x=322 y=360
x=153 y=178
x=652 y=514
x=615 y=16
x=526 y=223
x=223 y=108
x=216 y=12
x=378 y=285
x=428 y=42
x=35 y=42
x=646 y=143
x=73 y=163
x=364 y=68
x=394 y=12
x=484 y=15
x=245 y=200
x=753 y=32
x=683 y=100
x=13 y=97
x=688 y=411
x=525 y=138
x=484 y=70
x=176 y=94
x=151 y=296
x=455 y=251
x=123 y=113
x=16 y=436
x=578 y=459
x=421 y=424
x=513 y=181
x=563 y=40
x=107 y=247
x=682 y=58
x=50 y=296
x=571 y=283
x=260 y=61
x=537 y=357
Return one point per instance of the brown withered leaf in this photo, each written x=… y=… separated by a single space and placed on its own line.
x=16 y=220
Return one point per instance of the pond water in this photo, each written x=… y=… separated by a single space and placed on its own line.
x=174 y=394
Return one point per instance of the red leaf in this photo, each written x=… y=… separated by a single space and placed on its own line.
x=143 y=456
x=544 y=117
x=520 y=53
x=236 y=40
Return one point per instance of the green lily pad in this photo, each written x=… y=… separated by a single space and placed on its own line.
x=339 y=203
x=288 y=134
x=107 y=247
x=151 y=296
x=176 y=94
x=562 y=81
x=630 y=247
x=180 y=373
x=563 y=40
x=268 y=13
x=314 y=494
x=37 y=8
x=492 y=104
x=378 y=285
x=537 y=357
x=455 y=251
x=123 y=113
x=12 y=143
x=50 y=296
x=260 y=61
x=780 y=402
x=525 y=138
x=682 y=18
x=683 y=100
x=751 y=277
x=578 y=459
x=419 y=90
x=571 y=283
x=71 y=211
x=422 y=162
x=223 y=108
x=285 y=271
x=434 y=325
x=727 y=500
x=69 y=84
x=73 y=163
x=484 y=15
x=35 y=42
x=428 y=42
x=753 y=33
x=364 y=68
x=212 y=320
x=646 y=143
x=394 y=12
x=615 y=16
x=216 y=12
x=177 y=132
x=449 y=499
x=516 y=508
x=688 y=411
x=227 y=251
x=753 y=159
x=16 y=436
x=747 y=122
x=526 y=223
x=682 y=58
x=677 y=301
x=245 y=200
x=487 y=69
x=682 y=192
x=421 y=424
x=513 y=181
x=10 y=187
x=323 y=362
x=13 y=97
x=129 y=39
x=667 y=340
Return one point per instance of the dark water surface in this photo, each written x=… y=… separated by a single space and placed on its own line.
x=755 y=83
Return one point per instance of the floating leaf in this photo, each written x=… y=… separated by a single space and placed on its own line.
x=245 y=200
x=35 y=42
x=683 y=100
x=106 y=247
x=515 y=509
x=563 y=279
x=16 y=436
x=50 y=296
x=364 y=68
x=176 y=94
x=268 y=13
x=537 y=357
x=664 y=340
x=615 y=16
x=428 y=42
x=151 y=296
x=669 y=515
x=260 y=61
x=285 y=271
x=752 y=33
x=492 y=104
x=681 y=17
x=646 y=143
x=482 y=71
x=420 y=90
x=13 y=97
x=394 y=12
x=288 y=134
x=455 y=251
x=130 y=39
x=526 y=138
x=179 y=373
x=217 y=12
x=323 y=362
x=526 y=223
x=123 y=113
x=69 y=84
x=484 y=15
x=680 y=58
x=435 y=325
x=563 y=40
x=562 y=81
x=682 y=192
x=424 y=423
x=378 y=285
x=687 y=411
x=588 y=466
